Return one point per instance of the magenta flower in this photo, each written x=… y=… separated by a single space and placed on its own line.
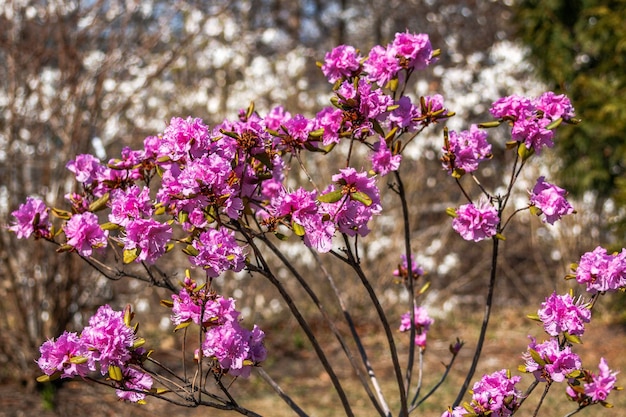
x=277 y=117
x=31 y=218
x=85 y=167
x=64 y=356
x=234 y=347
x=555 y=106
x=186 y=307
x=319 y=233
x=512 y=107
x=108 y=339
x=560 y=314
x=330 y=119
x=341 y=62
x=184 y=137
x=383 y=160
x=601 y=383
x=381 y=65
x=352 y=214
x=496 y=395
x=558 y=362
x=466 y=150
x=218 y=252
x=601 y=271
x=132 y=203
x=414 y=50
x=550 y=199
x=406 y=115
x=533 y=133
x=84 y=233
x=422 y=324
x=133 y=379
x=149 y=237
x=402 y=271
x=476 y=222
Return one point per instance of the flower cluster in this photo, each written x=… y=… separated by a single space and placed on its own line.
x=31 y=218
x=421 y=323
x=593 y=388
x=476 y=222
x=233 y=348
x=533 y=120
x=108 y=344
x=463 y=151
x=550 y=201
x=602 y=272
x=549 y=361
x=494 y=395
x=559 y=313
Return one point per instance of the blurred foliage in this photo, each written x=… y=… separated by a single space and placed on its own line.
x=579 y=48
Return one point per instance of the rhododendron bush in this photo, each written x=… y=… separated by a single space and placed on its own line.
x=224 y=195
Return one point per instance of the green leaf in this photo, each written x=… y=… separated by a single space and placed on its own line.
x=191 y=251
x=572 y=338
x=61 y=214
x=534 y=317
x=182 y=325
x=331 y=197
x=555 y=124
x=488 y=125
x=100 y=203
x=451 y=211
x=110 y=226
x=130 y=255
x=115 y=373
x=362 y=197
x=298 y=229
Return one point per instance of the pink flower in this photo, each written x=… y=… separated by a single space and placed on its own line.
x=422 y=324
x=31 y=218
x=495 y=395
x=602 y=383
x=560 y=314
x=559 y=361
x=132 y=203
x=476 y=222
x=414 y=50
x=329 y=119
x=149 y=236
x=514 y=107
x=555 y=106
x=466 y=150
x=133 y=379
x=85 y=167
x=218 y=252
x=416 y=270
x=381 y=65
x=601 y=271
x=383 y=161
x=84 y=233
x=406 y=115
x=63 y=356
x=341 y=62
x=108 y=339
x=550 y=199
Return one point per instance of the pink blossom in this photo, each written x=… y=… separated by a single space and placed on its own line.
x=414 y=50
x=85 y=167
x=466 y=150
x=422 y=324
x=108 y=339
x=149 y=237
x=601 y=271
x=218 y=252
x=31 y=218
x=84 y=233
x=416 y=270
x=383 y=160
x=496 y=395
x=555 y=106
x=63 y=356
x=406 y=115
x=133 y=379
x=560 y=314
x=476 y=222
x=559 y=361
x=601 y=383
x=329 y=119
x=341 y=62
x=381 y=65
x=132 y=203
x=550 y=199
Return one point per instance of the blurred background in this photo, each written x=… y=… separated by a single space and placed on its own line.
x=95 y=76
